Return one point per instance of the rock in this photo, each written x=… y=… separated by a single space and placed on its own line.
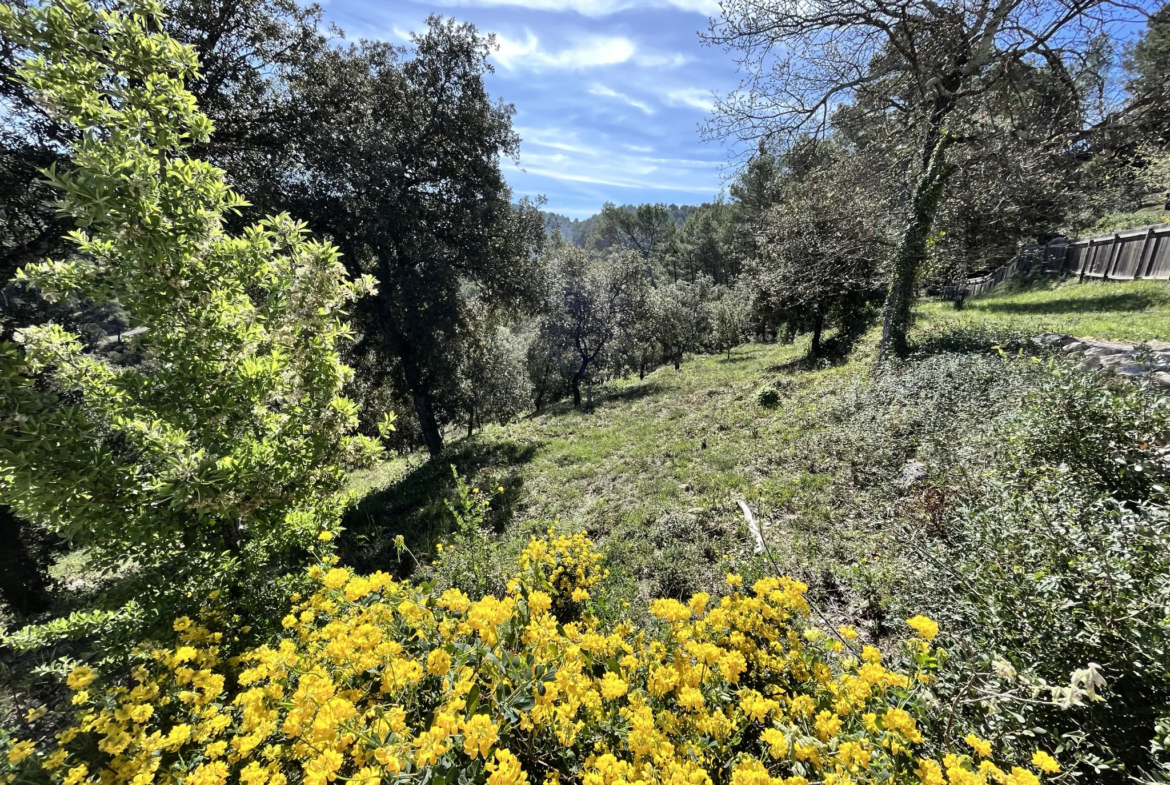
x=1097 y=350
x=1075 y=346
x=1111 y=360
x=1132 y=370
x=912 y=473
x=1053 y=339
x=1162 y=378
x=1157 y=346
x=1090 y=364
x=1121 y=346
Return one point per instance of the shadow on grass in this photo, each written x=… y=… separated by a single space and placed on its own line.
x=604 y=397
x=834 y=351
x=415 y=506
x=1128 y=301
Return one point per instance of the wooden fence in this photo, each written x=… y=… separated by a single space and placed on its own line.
x=1142 y=253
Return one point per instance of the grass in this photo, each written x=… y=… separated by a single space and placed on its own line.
x=1131 y=311
x=656 y=470
x=653 y=462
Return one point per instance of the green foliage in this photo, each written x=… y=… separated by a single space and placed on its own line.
x=768 y=397
x=398 y=162
x=589 y=304
x=1062 y=554
x=1120 y=222
x=221 y=454
x=472 y=559
x=730 y=317
x=678 y=317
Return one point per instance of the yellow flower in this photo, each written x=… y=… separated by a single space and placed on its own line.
x=336 y=578
x=182 y=624
x=580 y=595
x=612 y=686
x=505 y=769
x=366 y=776
x=76 y=775
x=35 y=714
x=325 y=536
x=734 y=580
x=776 y=741
x=1022 y=777
x=925 y=627
x=20 y=750
x=828 y=725
x=80 y=677
x=981 y=747
x=438 y=662
x=1045 y=762
x=479 y=735
x=929 y=772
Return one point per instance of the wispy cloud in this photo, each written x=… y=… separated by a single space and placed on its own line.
x=557 y=154
x=608 y=92
x=597 y=8
x=692 y=97
x=589 y=52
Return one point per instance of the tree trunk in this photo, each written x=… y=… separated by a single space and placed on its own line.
x=471 y=422
x=428 y=424
x=818 y=328
x=677 y=361
x=23 y=585
x=912 y=249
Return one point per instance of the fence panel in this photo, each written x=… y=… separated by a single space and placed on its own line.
x=1134 y=254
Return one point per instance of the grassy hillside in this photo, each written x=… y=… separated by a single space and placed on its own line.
x=1133 y=311
x=982 y=482
x=679 y=449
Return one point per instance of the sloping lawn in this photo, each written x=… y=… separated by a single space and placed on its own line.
x=1132 y=311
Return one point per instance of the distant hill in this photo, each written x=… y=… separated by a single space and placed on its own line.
x=575 y=231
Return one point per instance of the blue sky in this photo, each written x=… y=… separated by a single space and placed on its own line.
x=609 y=94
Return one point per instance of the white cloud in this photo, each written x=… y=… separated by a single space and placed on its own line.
x=558 y=154
x=609 y=92
x=588 y=52
x=690 y=96
x=598 y=7
x=555 y=139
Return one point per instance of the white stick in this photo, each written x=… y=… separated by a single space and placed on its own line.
x=755 y=529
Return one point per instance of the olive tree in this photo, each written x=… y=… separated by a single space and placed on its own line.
x=590 y=303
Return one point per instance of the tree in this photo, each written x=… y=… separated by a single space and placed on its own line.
x=705 y=245
x=679 y=316
x=820 y=254
x=221 y=454
x=1148 y=63
x=399 y=164
x=647 y=229
x=591 y=302
x=494 y=385
x=925 y=63
x=730 y=314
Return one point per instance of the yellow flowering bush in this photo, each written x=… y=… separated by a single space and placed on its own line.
x=379 y=681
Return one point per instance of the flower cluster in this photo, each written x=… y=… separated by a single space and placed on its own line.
x=378 y=681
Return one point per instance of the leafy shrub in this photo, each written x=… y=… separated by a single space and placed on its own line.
x=222 y=455
x=768 y=397
x=377 y=680
x=1060 y=555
